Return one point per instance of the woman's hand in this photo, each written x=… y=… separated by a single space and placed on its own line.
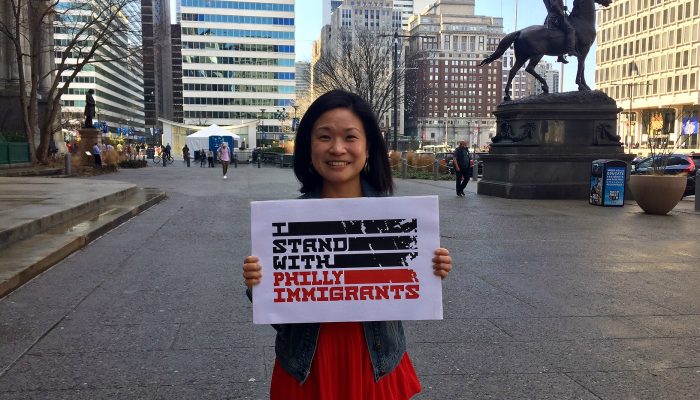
x=251 y=271
x=442 y=263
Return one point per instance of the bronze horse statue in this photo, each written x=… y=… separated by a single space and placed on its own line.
x=536 y=41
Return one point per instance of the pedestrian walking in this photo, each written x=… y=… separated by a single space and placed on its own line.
x=210 y=158
x=224 y=154
x=461 y=164
x=202 y=158
x=186 y=155
x=163 y=155
x=340 y=153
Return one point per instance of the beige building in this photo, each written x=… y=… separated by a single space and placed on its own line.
x=647 y=60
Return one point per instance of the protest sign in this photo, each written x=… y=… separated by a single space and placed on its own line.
x=359 y=259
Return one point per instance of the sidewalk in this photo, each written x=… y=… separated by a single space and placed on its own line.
x=547 y=300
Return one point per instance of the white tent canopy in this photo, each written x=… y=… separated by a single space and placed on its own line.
x=200 y=139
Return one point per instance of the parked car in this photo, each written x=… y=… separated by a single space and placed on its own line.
x=677 y=164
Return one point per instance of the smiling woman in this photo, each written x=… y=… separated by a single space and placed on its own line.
x=340 y=152
x=339 y=144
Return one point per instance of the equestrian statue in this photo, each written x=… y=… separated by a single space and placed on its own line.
x=561 y=35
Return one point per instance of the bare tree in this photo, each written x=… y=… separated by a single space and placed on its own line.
x=92 y=31
x=363 y=65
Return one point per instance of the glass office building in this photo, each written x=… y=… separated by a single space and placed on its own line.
x=238 y=63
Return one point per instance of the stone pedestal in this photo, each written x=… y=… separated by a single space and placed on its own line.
x=88 y=138
x=544 y=145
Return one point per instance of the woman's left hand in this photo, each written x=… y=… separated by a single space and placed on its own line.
x=442 y=262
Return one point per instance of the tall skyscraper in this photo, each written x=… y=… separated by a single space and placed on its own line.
x=648 y=61
x=157 y=62
x=118 y=84
x=238 y=59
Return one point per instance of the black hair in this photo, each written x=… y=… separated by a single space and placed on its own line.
x=379 y=175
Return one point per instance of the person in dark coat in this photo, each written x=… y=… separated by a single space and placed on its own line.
x=186 y=155
x=461 y=164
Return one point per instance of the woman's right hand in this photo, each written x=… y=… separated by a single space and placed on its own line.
x=251 y=271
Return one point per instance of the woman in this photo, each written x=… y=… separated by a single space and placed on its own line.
x=339 y=153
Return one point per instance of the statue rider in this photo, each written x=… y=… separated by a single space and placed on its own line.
x=556 y=16
x=89 y=109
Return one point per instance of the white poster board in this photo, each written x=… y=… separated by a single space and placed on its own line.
x=360 y=259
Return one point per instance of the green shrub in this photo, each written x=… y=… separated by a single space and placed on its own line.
x=280 y=150
x=414 y=174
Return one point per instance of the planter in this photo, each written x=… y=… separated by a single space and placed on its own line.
x=657 y=194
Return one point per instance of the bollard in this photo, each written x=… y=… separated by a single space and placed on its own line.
x=235 y=161
x=67 y=166
x=697 y=191
x=436 y=169
x=259 y=161
x=475 y=170
x=404 y=167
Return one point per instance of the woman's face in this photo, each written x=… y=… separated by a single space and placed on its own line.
x=339 y=151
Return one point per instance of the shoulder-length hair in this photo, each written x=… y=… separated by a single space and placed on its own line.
x=379 y=175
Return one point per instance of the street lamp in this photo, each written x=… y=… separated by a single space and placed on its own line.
x=282 y=116
x=261 y=127
x=295 y=121
x=447 y=118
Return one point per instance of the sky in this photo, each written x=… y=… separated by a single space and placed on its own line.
x=309 y=20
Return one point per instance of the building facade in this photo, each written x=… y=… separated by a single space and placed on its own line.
x=450 y=98
x=648 y=61
x=157 y=63
x=523 y=83
x=238 y=64
x=303 y=80
x=118 y=83
x=357 y=25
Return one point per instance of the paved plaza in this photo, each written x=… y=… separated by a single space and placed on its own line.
x=547 y=300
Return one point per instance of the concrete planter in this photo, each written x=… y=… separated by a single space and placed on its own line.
x=657 y=194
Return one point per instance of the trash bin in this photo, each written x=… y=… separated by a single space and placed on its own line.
x=608 y=183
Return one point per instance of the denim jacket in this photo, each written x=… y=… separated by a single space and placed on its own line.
x=295 y=344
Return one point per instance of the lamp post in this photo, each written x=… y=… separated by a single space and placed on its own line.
x=447 y=117
x=282 y=115
x=261 y=127
x=295 y=121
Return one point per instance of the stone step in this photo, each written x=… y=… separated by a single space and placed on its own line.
x=25 y=259
x=31 y=207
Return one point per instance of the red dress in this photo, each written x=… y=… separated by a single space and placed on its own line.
x=342 y=370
